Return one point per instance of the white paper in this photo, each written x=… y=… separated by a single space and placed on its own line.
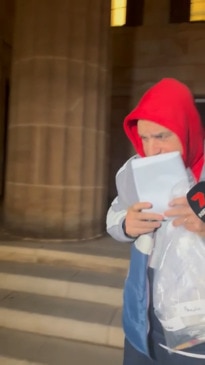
x=157 y=179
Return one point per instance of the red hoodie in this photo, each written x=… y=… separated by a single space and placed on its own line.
x=171 y=104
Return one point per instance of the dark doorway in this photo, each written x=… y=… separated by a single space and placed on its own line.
x=200 y=103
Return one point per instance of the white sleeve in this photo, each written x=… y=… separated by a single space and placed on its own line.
x=126 y=197
x=114 y=221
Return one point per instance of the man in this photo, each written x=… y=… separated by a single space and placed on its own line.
x=165 y=120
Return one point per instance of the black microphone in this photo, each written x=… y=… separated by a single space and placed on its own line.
x=196 y=199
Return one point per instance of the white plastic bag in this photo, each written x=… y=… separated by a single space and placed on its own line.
x=179 y=289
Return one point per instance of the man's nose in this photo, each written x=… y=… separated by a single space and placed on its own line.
x=153 y=147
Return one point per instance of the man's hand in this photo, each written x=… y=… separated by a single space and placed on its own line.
x=184 y=215
x=138 y=222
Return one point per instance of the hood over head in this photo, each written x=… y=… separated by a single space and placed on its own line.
x=170 y=104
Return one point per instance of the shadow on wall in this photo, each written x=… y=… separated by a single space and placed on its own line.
x=121 y=95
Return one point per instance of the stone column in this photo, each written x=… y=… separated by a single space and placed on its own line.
x=156 y=13
x=57 y=152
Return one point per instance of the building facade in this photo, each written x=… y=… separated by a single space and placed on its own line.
x=67 y=80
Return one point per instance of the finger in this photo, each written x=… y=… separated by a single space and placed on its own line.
x=178 y=201
x=143 y=228
x=140 y=231
x=144 y=216
x=178 y=211
x=141 y=205
x=179 y=221
x=144 y=225
x=187 y=221
x=196 y=227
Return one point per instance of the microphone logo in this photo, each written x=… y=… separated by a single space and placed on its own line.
x=200 y=198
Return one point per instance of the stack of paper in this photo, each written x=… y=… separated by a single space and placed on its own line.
x=157 y=179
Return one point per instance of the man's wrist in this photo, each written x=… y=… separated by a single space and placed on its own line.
x=125 y=233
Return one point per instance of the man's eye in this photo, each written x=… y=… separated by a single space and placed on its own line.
x=160 y=136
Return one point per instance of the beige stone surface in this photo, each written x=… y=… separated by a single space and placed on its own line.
x=58 y=128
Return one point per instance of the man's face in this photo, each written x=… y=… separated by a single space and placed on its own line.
x=157 y=139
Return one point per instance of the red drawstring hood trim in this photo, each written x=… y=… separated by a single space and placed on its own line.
x=170 y=104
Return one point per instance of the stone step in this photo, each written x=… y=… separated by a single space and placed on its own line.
x=23 y=348
x=104 y=288
x=63 y=318
x=10 y=361
x=104 y=256
x=70 y=292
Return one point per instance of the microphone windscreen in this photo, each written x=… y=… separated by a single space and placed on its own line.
x=196 y=199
